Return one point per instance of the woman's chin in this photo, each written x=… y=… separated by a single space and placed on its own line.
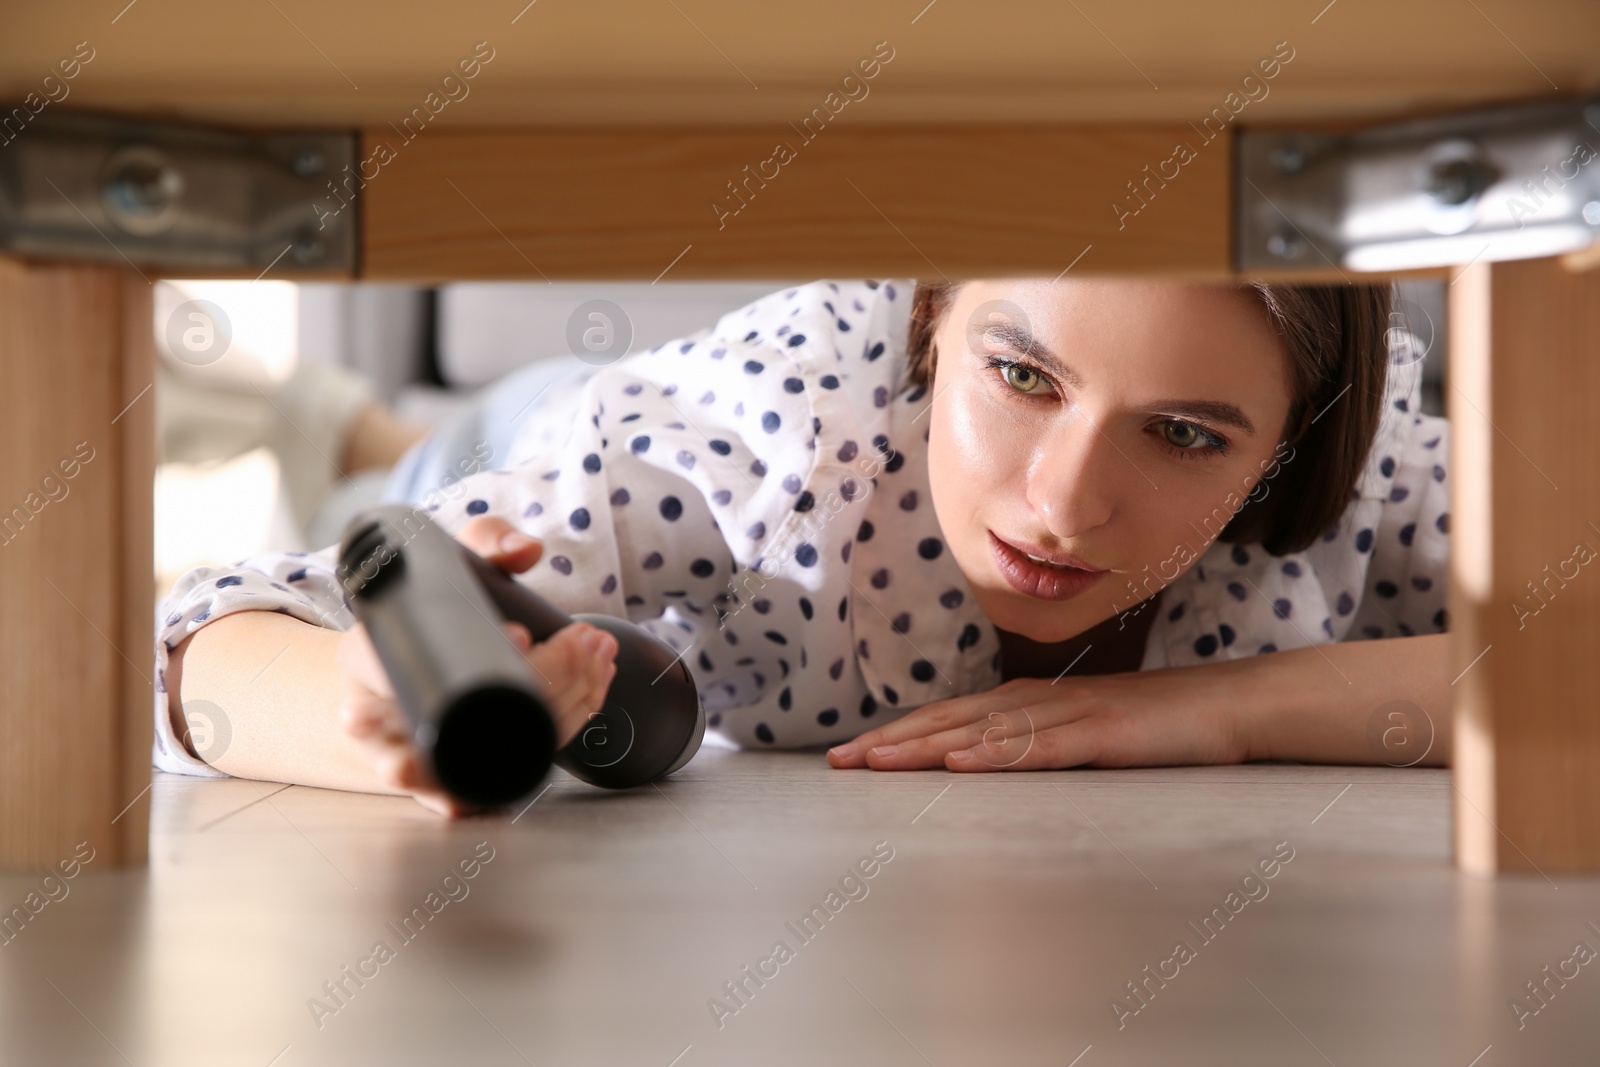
x=1003 y=610
x=1052 y=636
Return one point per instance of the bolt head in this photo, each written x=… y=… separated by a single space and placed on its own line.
x=1288 y=159
x=308 y=248
x=307 y=163
x=1286 y=246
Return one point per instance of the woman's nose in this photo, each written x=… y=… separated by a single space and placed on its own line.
x=1075 y=475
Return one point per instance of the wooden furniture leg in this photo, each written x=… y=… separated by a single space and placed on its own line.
x=76 y=564
x=1524 y=391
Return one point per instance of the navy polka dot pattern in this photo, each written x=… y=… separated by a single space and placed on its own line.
x=778 y=531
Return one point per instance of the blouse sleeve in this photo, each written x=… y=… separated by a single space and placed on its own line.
x=626 y=506
x=298 y=584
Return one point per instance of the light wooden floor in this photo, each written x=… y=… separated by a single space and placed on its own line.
x=1014 y=909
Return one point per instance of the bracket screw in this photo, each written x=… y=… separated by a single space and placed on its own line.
x=307 y=163
x=1286 y=246
x=308 y=247
x=1457 y=181
x=1288 y=159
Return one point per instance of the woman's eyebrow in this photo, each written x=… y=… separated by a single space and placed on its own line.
x=1019 y=338
x=1208 y=411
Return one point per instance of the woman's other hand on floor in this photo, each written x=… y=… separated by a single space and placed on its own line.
x=1140 y=719
x=1362 y=703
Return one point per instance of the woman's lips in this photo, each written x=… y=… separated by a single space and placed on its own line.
x=1039 y=579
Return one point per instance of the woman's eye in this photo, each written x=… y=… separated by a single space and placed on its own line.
x=1190 y=440
x=1022 y=379
x=1018 y=376
x=1182 y=434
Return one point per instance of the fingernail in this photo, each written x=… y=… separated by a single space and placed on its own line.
x=961 y=756
x=514 y=541
x=845 y=751
x=595 y=640
x=885 y=751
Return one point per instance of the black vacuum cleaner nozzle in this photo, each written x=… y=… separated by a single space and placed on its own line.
x=432 y=608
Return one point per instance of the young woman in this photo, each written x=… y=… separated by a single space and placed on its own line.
x=1083 y=522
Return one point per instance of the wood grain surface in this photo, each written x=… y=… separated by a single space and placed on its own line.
x=75 y=563
x=1525 y=606
x=683 y=204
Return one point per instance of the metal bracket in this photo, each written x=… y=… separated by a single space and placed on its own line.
x=88 y=187
x=1505 y=183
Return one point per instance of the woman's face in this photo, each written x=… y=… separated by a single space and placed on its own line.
x=1118 y=422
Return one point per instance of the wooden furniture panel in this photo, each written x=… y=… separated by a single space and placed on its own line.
x=638 y=204
x=722 y=62
x=1525 y=598
x=75 y=563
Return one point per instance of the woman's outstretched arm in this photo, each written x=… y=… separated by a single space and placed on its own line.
x=1300 y=712
x=276 y=680
x=271 y=697
x=1333 y=703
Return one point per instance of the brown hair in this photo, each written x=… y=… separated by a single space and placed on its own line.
x=1335 y=339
